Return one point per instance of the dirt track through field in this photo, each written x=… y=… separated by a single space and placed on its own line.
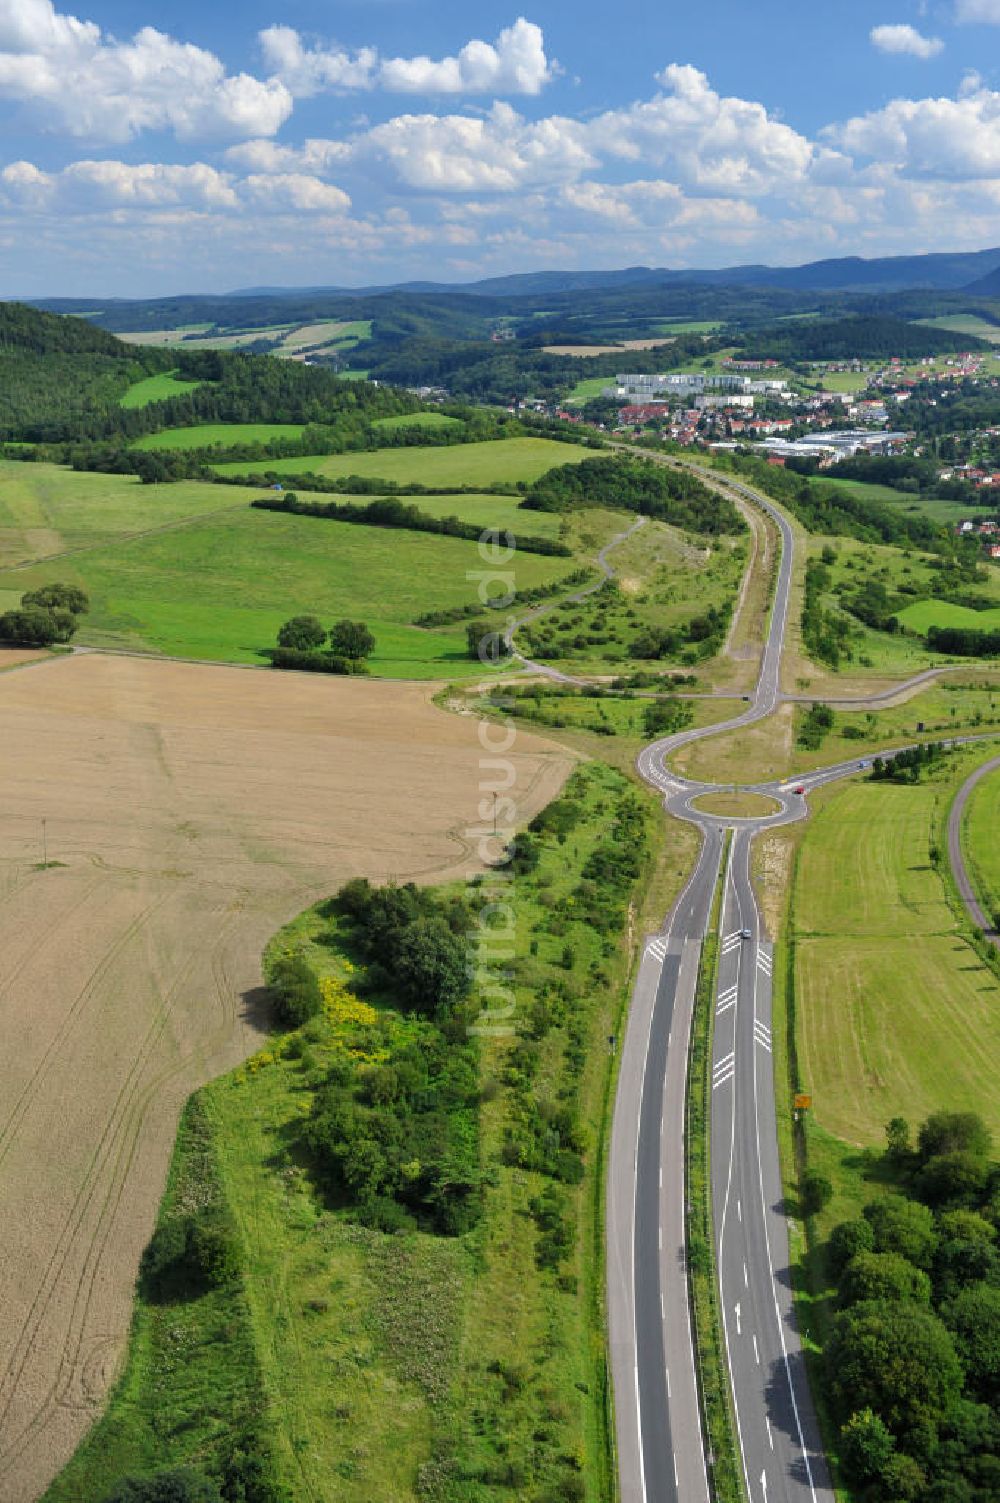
x=194 y=809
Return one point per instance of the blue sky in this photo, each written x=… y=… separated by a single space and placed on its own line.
x=146 y=150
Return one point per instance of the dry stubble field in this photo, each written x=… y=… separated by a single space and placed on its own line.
x=193 y=809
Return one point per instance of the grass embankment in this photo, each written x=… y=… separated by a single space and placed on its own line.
x=612 y=727
x=713 y=1377
x=965 y=703
x=882 y=1007
x=158 y=388
x=498 y=463
x=979 y=840
x=897 y=1016
x=488 y=1356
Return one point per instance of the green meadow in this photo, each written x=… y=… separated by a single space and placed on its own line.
x=45 y=509
x=489 y=511
x=503 y=462
x=158 y=388
x=192 y=570
x=438 y=420
x=895 y=1013
x=207 y=435
x=927 y=613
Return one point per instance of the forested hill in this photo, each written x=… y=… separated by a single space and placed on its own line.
x=24 y=328
x=62 y=380
x=58 y=375
x=863 y=338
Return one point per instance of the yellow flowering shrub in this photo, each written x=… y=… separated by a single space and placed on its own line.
x=341 y=1006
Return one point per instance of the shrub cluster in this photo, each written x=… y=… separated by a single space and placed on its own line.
x=636 y=485
x=826 y=634
x=701 y=637
x=964 y=641
x=816 y=722
x=394 y=1125
x=302 y=644
x=45 y=616
x=907 y=766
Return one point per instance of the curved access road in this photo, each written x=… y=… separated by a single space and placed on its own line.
x=957 y=858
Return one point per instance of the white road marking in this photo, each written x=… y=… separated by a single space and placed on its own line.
x=746 y=1278
x=770 y=1437
x=727 y=999
x=762 y=1034
x=738 y=1319
x=765 y=964
x=755 y=1350
x=763 y=1483
x=657 y=948
x=739 y=1211
x=725 y=1077
x=770 y=1262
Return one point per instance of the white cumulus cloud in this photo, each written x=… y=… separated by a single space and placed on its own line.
x=306 y=71
x=514 y=64
x=931 y=138
x=298 y=192
x=501 y=152
x=94 y=86
x=905 y=39
x=707 y=140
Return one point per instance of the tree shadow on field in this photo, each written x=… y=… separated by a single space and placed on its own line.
x=257 y=1008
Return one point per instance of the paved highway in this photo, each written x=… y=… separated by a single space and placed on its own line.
x=660 y=1443
x=777 y=1433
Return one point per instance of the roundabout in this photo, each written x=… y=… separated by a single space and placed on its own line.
x=736 y=803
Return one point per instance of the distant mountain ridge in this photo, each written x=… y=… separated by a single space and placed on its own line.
x=942 y=271
x=987 y=286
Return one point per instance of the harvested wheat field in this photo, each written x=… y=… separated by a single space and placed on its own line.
x=189 y=811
